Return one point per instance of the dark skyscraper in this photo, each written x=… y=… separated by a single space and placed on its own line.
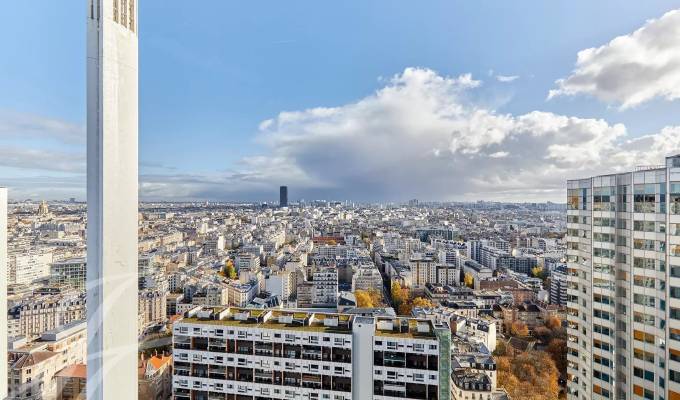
x=283 y=196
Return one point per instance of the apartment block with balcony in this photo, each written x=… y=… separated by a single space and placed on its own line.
x=623 y=284
x=236 y=353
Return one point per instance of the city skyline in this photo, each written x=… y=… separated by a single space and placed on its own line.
x=478 y=114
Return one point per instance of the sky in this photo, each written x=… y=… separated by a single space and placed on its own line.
x=383 y=100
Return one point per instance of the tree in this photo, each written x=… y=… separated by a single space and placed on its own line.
x=558 y=351
x=422 y=302
x=519 y=329
x=230 y=270
x=537 y=271
x=364 y=300
x=543 y=334
x=469 y=280
x=501 y=349
x=376 y=297
x=406 y=307
x=399 y=295
x=529 y=375
x=553 y=323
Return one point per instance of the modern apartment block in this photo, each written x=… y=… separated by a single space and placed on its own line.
x=623 y=295
x=235 y=353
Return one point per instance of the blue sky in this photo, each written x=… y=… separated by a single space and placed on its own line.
x=212 y=71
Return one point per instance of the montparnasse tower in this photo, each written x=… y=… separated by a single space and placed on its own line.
x=112 y=200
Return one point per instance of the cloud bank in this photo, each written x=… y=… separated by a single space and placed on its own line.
x=631 y=69
x=420 y=136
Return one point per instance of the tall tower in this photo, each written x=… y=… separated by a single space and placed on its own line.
x=3 y=291
x=112 y=199
x=283 y=196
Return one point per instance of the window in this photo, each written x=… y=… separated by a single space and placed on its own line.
x=132 y=15
x=123 y=14
x=115 y=10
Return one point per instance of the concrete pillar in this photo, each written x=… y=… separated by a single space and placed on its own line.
x=112 y=203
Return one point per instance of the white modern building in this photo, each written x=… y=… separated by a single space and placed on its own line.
x=623 y=293
x=26 y=267
x=237 y=353
x=112 y=187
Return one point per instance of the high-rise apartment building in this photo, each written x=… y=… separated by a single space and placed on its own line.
x=623 y=295
x=233 y=353
x=112 y=203
x=283 y=196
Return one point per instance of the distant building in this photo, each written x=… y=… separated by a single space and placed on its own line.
x=71 y=272
x=72 y=382
x=155 y=377
x=320 y=291
x=283 y=196
x=558 y=289
x=25 y=267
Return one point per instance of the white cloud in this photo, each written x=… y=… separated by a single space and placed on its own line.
x=420 y=136
x=631 y=69
x=507 y=78
x=21 y=125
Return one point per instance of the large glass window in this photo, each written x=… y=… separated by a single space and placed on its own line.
x=674 y=198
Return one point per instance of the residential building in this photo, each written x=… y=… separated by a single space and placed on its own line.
x=33 y=366
x=155 y=377
x=623 y=284
x=278 y=354
x=72 y=382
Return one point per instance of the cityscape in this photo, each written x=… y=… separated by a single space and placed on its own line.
x=491 y=254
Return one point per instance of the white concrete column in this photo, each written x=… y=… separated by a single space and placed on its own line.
x=112 y=203
x=3 y=292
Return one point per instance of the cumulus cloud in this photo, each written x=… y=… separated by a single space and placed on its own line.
x=631 y=69
x=421 y=136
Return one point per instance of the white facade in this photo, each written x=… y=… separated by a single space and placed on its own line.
x=112 y=187
x=291 y=354
x=28 y=267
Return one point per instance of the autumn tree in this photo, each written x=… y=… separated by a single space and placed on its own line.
x=501 y=349
x=376 y=297
x=229 y=270
x=469 y=280
x=553 y=323
x=558 y=351
x=530 y=375
x=399 y=295
x=422 y=302
x=519 y=329
x=363 y=299
x=407 y=306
